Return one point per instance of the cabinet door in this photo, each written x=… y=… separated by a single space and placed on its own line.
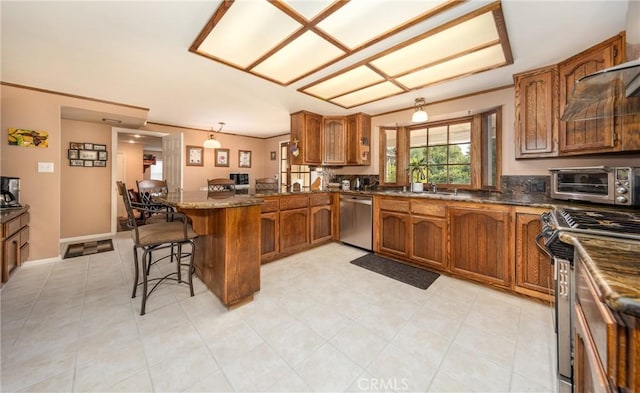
x=533 y=272
x=320 y=223
x=10 y=255
x=394 y=231
x=537 y=113
x=595 y=135
x=429 y=241
x=294 y=229
x=358 y=139
x=269 y=227
x=334 y=142
x=479 y=244
x=306 y=137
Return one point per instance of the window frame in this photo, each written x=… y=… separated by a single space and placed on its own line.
x=478 y=151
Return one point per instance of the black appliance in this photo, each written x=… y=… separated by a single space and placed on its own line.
x=10 y=188
x=242 y=182
x=615 y=224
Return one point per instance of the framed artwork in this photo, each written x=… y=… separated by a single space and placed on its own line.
x=28 y=138
x=273 y=155
x=195 y=156
x=244 y=159
x=222 y=157
x=88 y=155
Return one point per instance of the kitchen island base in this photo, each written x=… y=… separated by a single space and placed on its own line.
x=227 y=256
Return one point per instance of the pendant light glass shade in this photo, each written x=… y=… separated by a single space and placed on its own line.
x=420 y=114
x=212 y=142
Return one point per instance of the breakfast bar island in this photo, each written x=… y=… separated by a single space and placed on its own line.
x=227 y=255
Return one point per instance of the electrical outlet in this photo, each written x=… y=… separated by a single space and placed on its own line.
x=537 y=185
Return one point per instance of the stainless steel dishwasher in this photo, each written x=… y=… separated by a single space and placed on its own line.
x=356 y=220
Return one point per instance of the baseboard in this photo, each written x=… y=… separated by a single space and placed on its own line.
x=79 y=239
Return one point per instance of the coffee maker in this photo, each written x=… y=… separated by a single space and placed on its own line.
x=10 y=188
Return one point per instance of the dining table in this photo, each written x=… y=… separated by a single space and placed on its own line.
x=227 y=249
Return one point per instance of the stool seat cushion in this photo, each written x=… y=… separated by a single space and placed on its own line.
x=163 y=232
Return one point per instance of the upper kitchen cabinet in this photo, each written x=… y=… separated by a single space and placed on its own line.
x=537 y=113
x=306 y=138
x=541 y=96
x=597 y=135
x=358 y=139
x=334 y=140
x=333 y=146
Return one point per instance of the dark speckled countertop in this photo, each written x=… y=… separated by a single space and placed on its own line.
x=614 y=265
x=206 y=200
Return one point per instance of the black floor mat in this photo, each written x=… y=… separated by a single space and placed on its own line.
x=411 y=275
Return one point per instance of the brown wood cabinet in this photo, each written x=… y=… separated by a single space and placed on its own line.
x=306 y=135
x=334 y=138
x=536 y=94
x=392 y=221
x=596 y=135
x=479 y=243
x=295 y=222
x=541 y=96
x=533 y=268
x=15 y=240
x=599 y=355
x=358 y=139
x=321 y=217
x=428 y=234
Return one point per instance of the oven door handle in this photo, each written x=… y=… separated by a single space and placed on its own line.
x=540 y=245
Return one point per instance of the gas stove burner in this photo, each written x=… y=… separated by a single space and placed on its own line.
x=601 y=222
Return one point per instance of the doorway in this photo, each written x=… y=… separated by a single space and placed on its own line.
x=129 y=167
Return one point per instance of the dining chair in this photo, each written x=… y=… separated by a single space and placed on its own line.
x=147 y=190
x=221 y=187
x=151 y=238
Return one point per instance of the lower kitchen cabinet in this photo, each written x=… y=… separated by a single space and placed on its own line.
x=533 y=268
x=295 y=222
x=394 y=231
x=479 y=243
x=320 y=223
x=15 y=240
x=428 y=245
x=269 y=230
x=293 y=229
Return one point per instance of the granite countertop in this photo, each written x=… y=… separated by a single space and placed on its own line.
x=206 y=200
x=614 y=265
x=8 y=214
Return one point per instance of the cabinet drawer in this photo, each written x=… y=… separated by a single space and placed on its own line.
x=600 y=323
x=24 y=219
x=11 y=227
x=24 y=253
x=320 y=199
x=428 y=209
x=298 y=202
x=394 y=205
x=269 y=205
x=24 y=236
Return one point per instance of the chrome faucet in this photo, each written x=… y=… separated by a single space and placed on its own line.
x=434 y=188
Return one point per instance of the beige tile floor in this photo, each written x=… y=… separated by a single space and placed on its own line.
x=318 y=324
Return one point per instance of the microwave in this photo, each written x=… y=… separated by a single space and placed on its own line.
x=598 y=184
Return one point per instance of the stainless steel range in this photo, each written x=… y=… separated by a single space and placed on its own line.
x=615 y=224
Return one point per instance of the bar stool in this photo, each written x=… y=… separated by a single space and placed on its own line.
x=150 y=238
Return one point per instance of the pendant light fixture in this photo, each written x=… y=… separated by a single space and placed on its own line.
x=212 y=142
x=420 y=114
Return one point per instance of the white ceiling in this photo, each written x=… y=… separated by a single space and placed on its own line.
x=136 y=53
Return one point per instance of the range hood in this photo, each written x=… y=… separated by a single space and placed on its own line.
x=614 y=91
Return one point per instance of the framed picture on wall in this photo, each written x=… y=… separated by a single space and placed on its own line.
x=273 y=155
x=195 y=156
x=244 y=159
x=222 y=157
